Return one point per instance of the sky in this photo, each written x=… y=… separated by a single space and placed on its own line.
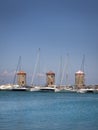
x=62 y=29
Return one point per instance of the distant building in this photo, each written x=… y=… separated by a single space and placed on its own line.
x=79 y=79
x=50 y=78
x=21 y=78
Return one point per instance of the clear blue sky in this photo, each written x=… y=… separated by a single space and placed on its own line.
x=57 y=27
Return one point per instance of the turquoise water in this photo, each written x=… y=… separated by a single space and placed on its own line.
x=48 y=111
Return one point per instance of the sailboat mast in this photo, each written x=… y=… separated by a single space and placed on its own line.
x=82 y=65
x=18 y=68
x=67 y=70
x=61 y=71
x=35 y=67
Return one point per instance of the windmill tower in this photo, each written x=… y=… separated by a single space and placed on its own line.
x=20 y=75
x=50 y=78
x=80 y=76
x=21 y=78
x=79 y=79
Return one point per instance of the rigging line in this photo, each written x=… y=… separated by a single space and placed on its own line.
x=63 y=73
x=18 y=67
x=58 y=72
x=61 y=70
x=82 y=64
x=65 y=70
x=35 y=67
x=38 y=71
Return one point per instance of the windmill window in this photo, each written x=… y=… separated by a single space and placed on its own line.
x=22 y=82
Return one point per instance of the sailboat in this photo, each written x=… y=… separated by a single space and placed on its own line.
x=64 y=88
x=6 y=87
x=80 y=86
x=17 y=87
x=60 y=88
x=33 y=87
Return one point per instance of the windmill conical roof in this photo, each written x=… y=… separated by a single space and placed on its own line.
x=79 y=72
x=50 y=72
x=21 y=72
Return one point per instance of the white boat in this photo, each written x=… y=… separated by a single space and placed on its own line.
x=34 y=88
x=86 y=90
x=90 y=90
x=19 y=88
x=47 y=89
x=66 y=90
x=81 y=91
x=6 y=87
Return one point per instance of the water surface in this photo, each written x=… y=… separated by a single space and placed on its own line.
x=48 y=111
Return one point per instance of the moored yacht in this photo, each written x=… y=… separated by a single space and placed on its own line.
x=81 y=90
x=34 y=88
x=19 y=88
x=47 y=89
x=6 y=87
x=64 y=89
x=86 y=90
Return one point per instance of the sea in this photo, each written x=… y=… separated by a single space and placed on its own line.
x=48 y=111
